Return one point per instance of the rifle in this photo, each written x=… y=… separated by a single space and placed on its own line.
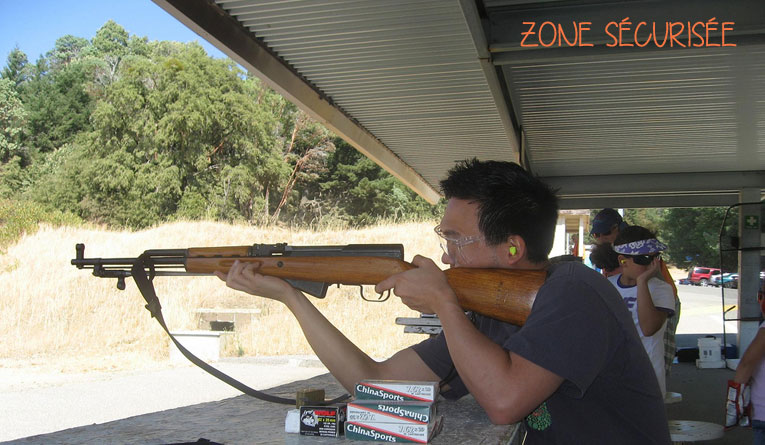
x=503 y=294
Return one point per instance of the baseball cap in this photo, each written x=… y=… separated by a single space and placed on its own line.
x=604 y=220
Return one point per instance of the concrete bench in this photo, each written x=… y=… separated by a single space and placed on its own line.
x=203 y=344
x=224 y=318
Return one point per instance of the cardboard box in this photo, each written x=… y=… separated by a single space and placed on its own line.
x=393 y=432
x=326 y=421
x=375 y=411
x=308 y=397
x=396 y=390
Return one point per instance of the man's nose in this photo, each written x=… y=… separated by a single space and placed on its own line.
x=446 y=259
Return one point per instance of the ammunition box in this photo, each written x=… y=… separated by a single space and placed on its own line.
x=326 y=421
x=396 y=390
x=393 y=432
x=373 y=411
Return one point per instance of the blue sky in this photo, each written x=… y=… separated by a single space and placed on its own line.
x=34 y=25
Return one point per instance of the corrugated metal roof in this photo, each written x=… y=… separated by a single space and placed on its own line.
x=659 y=112
x=406 y=70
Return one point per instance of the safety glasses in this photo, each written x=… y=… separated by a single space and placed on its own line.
x=454 y=248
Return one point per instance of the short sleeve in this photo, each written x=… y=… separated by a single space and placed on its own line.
x=568 y=332
x=435 y=354
x=662 y=295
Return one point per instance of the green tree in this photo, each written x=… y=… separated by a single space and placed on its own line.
x=111 y=45
x=649 y=218
x=66 y=50
x=356 y=190
x=58 y=105
x=306 y=150
x=180 y=134
x=131 y=133
x=13 y=158
x=16 y=68
x=58 y=179
x=693 y=236
x=12 y=117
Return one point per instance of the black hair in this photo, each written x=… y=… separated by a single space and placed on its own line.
x=603 y=255
x=633 y=233
x=511 y=201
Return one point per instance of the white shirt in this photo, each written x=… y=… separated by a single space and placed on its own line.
x=758 y=389
x=664 y=299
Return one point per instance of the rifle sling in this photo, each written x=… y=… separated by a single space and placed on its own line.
x=146 y=287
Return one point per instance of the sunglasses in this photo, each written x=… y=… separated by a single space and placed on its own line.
x=644 y=260
x=598 y=235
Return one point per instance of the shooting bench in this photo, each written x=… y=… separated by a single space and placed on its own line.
x=243 y=419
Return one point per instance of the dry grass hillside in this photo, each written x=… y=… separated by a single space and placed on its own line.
x=53 y=312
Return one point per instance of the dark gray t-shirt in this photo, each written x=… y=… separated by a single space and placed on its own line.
x=579 y=329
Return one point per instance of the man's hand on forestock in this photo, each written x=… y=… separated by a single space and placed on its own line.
x=245 y=277
x=423 y=289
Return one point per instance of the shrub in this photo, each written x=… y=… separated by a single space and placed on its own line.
x=24 y=217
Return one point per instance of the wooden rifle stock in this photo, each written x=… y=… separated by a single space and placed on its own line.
x=503 y=294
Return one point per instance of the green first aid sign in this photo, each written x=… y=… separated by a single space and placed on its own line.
x=751 y=222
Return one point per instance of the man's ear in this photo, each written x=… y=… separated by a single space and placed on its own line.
x=516 y=249
x=622 y=259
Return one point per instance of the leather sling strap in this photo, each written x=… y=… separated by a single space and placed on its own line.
x=146 y=287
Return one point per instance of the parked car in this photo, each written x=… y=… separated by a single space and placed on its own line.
x=702 y=275
x=729 y=280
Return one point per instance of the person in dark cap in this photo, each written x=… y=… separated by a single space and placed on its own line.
x=606 y=226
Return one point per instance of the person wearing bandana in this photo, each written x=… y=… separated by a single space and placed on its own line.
x=648 y=297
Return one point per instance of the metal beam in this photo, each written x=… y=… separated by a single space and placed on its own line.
x=648 y=202
x=215 y=25
x=657 y=183
x=495 y=82
x=654 y=190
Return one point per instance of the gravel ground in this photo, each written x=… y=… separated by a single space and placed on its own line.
x=37 y=402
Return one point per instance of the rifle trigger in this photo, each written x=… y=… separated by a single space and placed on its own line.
x=379 y=299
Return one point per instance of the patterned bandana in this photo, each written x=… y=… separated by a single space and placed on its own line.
x=642 y=247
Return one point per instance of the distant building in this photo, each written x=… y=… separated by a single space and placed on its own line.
x=570 y=233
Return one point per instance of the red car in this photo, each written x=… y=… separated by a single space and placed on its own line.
x=702 y=275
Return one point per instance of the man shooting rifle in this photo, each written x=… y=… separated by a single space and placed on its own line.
x=576 y=372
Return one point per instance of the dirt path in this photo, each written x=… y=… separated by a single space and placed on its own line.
x=36 y=401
